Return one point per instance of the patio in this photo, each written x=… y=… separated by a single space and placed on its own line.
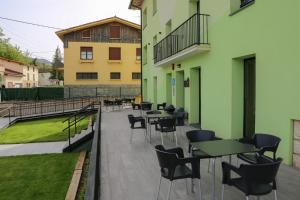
x=131 y=171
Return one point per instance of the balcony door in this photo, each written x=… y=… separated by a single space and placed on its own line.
x=180 y=89
x=249 y=97
x=155 y=91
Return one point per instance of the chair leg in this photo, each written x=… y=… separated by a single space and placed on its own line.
x=131 y=135
x=187 y=186
x=222 y=194
x=275 y=194
x=192 y=186
x=159 y=187
x=200 y=191
x=162 y=138
x=175 y=138
x=170 y=190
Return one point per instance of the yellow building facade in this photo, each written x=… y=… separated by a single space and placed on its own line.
x=102 y=53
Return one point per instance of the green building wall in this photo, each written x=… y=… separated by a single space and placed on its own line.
x=268 y=30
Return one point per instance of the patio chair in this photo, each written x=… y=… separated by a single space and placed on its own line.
x=161 y=106
x=180 y=115
x=133 y=121
x=254 y=179
x=166 y=125
x=199 y=136
x=146 y=106
x=152 y=121
x=174 y=166
x=136 y=106
x=264 y=142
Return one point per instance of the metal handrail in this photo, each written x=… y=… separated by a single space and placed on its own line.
x=193 y=31
x=73 y=123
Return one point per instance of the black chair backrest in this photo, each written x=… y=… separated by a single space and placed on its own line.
x=167 y=124
x=166 y=160
x=260 y=173
x=146 y=106
x=200 y=135
x=266 y=140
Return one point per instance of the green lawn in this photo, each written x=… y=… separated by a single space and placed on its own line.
x=43 y=130
x=38 y=177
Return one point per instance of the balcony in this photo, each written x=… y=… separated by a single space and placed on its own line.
x=188 y=39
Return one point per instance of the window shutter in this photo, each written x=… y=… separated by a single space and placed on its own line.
x=114 y=53
x=138 y=53
x=115 y=32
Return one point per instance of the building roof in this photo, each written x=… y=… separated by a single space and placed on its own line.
x=9 y=72
x=8 y=60
x=136 y=4
x=61 y=33
x=17 y=62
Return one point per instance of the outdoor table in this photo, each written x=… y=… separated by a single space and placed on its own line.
x=219 y=148
x=155 y=116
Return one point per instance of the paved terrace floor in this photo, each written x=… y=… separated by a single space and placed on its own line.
x=131 y=172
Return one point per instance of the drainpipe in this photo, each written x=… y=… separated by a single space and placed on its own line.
x=141 y=57
x=198 y=24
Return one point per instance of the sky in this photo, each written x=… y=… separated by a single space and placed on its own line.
x=42 y=42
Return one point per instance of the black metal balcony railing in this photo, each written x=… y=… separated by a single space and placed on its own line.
x=194 y=31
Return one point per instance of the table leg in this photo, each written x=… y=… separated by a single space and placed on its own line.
x=213 y=194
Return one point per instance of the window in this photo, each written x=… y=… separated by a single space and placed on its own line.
x=145 y=18
x=86 y=53
x=245 y=2
x=27 y=68
x=138 y=53
x=86 y=34
x=33 y=76
x=114 y=53
x=136 y=75
x=154 y=6
x=33 y=69
x=238 y=5
x=28 y=78
x=115 y=32
x=86 y=75
x=145 y=52
x=115 y=75
x=168 y=27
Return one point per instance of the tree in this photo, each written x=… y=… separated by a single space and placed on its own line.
x=57 y=63
x=57 y=59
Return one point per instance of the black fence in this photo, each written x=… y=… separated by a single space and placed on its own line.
x=94 y=172
x=46 y=107
x=29 y=94
x=194 y=31
x=103 y=91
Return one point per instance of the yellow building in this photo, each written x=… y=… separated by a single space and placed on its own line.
x=102 y=53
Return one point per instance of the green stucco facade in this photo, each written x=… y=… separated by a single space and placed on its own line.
x=267 y=30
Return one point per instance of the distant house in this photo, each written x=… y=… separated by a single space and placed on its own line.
x=102 y=53
x=14 y=74
x=46 y=81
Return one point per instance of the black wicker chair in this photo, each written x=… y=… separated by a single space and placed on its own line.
x=173 y=166
x=264 y=142
x=166 y=125
x=254 y=179
x=133 y=121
